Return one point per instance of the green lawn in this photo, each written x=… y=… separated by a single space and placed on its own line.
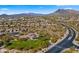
x=29 y=44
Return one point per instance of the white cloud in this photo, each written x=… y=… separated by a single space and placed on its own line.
x=13 y=12
x=4 y=9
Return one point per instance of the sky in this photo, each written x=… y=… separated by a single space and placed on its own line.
x=42 y=9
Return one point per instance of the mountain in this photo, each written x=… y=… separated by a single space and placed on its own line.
x=65 y=12
x=57 y=12
x=23 y=14
x=28 y=14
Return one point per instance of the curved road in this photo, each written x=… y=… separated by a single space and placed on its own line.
x=66 y=43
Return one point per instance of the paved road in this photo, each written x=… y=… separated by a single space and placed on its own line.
x=66 y=43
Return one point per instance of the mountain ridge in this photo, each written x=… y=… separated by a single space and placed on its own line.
x=59 y=11
x=66 y=11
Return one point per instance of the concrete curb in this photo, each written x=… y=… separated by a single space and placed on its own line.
x=74 y=41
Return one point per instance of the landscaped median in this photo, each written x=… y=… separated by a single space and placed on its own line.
x=76 y=42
